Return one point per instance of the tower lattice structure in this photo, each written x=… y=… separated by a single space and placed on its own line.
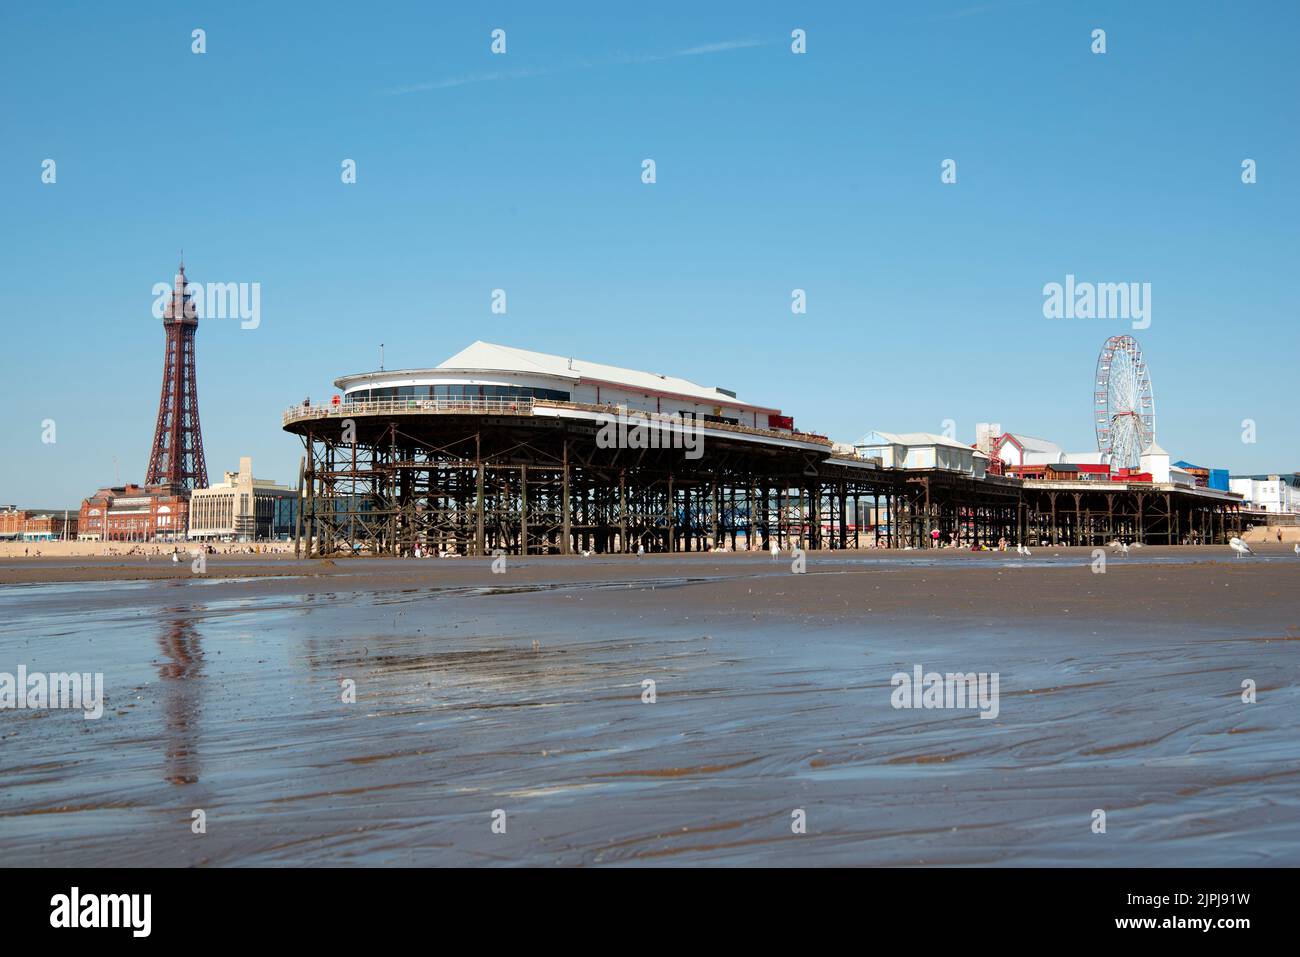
x=177 y=457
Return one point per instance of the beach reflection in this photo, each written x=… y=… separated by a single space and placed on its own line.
x=180 y=670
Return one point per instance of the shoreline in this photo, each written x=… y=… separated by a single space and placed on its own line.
x=53 y=569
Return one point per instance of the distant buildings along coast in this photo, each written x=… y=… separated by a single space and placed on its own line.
x=534 y=453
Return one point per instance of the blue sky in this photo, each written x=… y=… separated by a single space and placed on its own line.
x=775 y=171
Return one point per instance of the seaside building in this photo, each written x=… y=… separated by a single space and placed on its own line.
x=922 y=450
x=1155 y=462
x=1016 y=451
x=34 y=524
x=1278 y=494
x=242 y=508
x=1206 y=477
x=504 y=377
x=537 y=453
x=133 y=513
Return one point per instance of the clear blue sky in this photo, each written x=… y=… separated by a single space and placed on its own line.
x=522 y=171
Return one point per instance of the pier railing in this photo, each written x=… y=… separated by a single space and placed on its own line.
x=345 y=410
x=512 y=406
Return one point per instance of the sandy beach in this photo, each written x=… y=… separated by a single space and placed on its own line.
x=524 y=693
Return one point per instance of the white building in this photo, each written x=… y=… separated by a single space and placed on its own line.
x=1270 y=493
x=1155 y=460
x=242 y=508
x=485 y=372
x=922 y=450
x=1018 y=450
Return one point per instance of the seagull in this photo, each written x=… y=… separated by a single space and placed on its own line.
x=586 y=554
x=1137 y=544
x=1123 y=549
x=1240 y=547
x=1297 y=548
x=640 y=550
x=776 y=551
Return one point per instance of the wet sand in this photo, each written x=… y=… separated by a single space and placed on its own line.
x=523 y=692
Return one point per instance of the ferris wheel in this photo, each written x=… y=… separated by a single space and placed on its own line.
x=1123 y=404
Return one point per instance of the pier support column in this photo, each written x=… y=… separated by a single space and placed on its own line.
x=713 y=508
x=478 y=500
x=925 y=525
x=844 y=523
x=814 y=515
x=523 y=510
x=749 y=503
x=672 y=517
x=622 y=510
x=566 y=543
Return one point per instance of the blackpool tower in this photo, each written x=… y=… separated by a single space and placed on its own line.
x=177 y=457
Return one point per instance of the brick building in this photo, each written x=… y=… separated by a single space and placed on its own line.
x=34 y=524
x=133 y=513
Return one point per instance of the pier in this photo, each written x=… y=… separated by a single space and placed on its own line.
x=525 y=476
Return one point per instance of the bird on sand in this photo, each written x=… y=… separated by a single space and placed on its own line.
x=1240 y=547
